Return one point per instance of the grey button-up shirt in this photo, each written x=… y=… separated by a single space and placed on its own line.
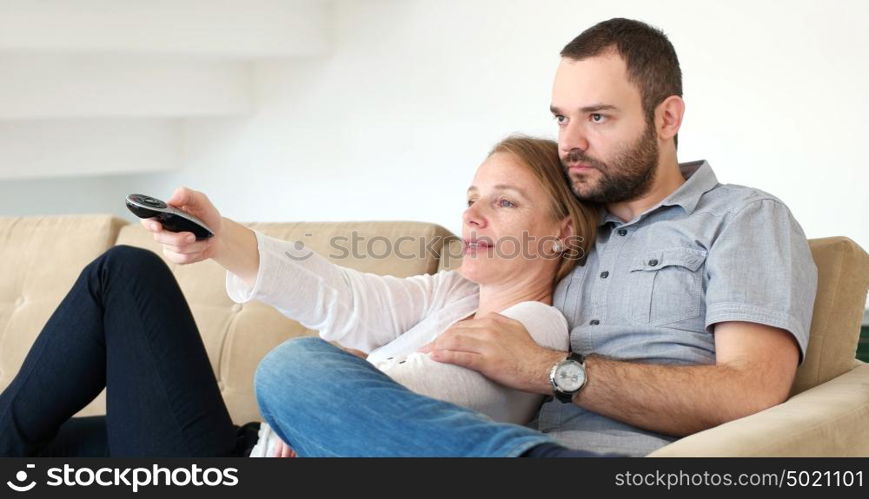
x=653 y=288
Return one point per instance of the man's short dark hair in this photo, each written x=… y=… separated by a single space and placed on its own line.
x=649 y=56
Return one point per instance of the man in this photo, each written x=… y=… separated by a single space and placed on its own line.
x=692 y=310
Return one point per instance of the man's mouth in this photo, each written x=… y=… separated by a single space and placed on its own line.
x=579 y=167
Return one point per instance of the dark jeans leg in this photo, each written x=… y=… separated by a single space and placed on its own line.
x=124 y=325
x=79 y=437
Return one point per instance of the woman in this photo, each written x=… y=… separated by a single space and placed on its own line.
x=134 y=333
x=518 y=233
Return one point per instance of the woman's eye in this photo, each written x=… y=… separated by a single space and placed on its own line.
x=505 y=204
x=470 y=202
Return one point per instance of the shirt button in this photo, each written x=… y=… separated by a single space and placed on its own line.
x=604 y=274
x=653 y=262
x=594 y=322
x=623 y=232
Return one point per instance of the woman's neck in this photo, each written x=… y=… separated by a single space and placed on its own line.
x=495 y=298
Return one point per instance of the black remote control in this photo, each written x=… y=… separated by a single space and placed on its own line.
x=173 y=219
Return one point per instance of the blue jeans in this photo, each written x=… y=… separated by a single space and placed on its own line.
x=323 y=402
x=125 y=326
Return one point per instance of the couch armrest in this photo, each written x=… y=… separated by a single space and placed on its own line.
x=831 y=419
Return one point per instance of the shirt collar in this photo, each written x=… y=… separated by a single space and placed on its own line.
x=699 y=179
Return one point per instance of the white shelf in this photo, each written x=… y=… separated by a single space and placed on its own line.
x=63 y=148
x=102 y=86
x=229 y=28
x=55 y=86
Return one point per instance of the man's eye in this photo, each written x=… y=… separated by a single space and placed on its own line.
x=561 y=119
x=505 y=204
x=470 y=202
x=598 y=118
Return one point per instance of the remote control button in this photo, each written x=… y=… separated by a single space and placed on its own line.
x=154 y=203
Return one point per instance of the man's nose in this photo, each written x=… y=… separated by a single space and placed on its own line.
x=572 y=136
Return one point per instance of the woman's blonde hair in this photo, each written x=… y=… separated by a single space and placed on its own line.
x=540 y=156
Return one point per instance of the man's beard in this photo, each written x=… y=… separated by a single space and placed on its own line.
x=628 y=176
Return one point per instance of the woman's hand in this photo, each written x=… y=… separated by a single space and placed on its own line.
x=284 y=450
x=233 y=246
x=182 y=247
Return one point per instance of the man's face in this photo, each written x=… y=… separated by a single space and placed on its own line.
x=606 y=146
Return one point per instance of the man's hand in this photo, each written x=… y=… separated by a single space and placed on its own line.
x=500 y=349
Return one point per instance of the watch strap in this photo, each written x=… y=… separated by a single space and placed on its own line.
x=577 y=357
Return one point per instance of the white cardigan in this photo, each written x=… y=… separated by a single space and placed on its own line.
x=390 y=318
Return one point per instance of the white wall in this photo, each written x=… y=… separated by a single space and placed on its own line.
x=392 y=124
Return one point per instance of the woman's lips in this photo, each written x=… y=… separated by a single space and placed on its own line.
x=475 y=245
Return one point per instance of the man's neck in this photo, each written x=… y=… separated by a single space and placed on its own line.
x=667 y=179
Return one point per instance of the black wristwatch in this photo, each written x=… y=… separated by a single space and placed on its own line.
x=568 y=377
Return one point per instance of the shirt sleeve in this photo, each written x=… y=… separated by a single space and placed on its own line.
x=760 y=269
x=357 y=309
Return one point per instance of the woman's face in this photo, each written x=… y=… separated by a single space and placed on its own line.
x=508 y=229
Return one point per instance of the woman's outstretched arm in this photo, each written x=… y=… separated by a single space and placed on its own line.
x=238 y=252
x=357 y=309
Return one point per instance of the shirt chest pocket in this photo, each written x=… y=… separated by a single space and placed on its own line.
x=666 y=286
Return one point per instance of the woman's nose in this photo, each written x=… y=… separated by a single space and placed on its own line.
x=473 y=217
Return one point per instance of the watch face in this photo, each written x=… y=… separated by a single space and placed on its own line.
x=570 y=376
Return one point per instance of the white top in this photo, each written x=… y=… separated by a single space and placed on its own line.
x=390 y=318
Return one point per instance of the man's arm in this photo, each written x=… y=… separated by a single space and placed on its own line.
x=754 y=370
x=755 y=367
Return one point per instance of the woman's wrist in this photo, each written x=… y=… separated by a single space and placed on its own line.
x=236 y=250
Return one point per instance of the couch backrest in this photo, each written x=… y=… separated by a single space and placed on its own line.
x=843 y=277
x=40 y=259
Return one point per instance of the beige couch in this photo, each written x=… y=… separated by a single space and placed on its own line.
x=40 y=257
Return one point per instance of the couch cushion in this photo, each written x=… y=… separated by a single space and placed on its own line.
x=40 y=259
x=237 y=336
x=843 y=277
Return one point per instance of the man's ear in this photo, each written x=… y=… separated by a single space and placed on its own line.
x=668 y=117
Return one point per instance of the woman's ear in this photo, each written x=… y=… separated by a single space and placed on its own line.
x=566 y=230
